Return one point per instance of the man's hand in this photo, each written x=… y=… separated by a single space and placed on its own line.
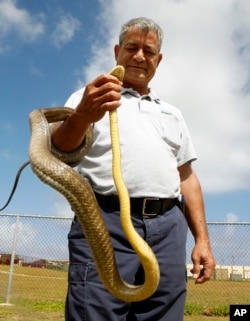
x=202 y=257
x=101 y=95
x=203 y=262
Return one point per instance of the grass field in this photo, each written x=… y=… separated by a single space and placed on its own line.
x=38 y=294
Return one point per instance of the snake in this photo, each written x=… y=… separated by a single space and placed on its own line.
x=55 y=169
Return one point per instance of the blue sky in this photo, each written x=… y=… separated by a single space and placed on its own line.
x=50 y=48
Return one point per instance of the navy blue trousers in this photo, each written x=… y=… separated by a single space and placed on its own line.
x=88 y=300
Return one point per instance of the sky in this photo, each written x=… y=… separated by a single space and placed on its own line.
x=50 y=48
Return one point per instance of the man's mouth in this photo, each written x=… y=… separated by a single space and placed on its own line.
x=137 y=67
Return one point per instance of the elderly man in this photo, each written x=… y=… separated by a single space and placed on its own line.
x=157 y=154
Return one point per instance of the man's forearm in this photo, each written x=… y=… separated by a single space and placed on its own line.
x=68 y=136
x=194 y=205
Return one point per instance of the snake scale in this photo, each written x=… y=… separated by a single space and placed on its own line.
x=54 y=171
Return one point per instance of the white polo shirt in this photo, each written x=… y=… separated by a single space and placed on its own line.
x=154 y=141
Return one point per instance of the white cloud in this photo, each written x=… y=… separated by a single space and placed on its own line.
x=65 y=30
x=231 y=218
x=33 y=236
x=26 y=234
x=231 y=229
x=205 y=72
x=20 y=22
x=28 y=27
x=60 y=206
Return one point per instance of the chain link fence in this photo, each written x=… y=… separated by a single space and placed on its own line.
x=34 y=261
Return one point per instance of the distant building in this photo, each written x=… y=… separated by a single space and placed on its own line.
x=223 y=272
x=5 y=259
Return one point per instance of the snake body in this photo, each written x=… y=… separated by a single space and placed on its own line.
x=53 y=170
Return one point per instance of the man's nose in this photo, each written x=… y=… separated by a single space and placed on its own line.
x=139 y=55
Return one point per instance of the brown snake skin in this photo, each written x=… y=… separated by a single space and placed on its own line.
x=52 y=168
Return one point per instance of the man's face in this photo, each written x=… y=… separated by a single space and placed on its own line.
x=139 y=55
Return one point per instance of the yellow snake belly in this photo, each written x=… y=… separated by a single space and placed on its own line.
x=53 y=170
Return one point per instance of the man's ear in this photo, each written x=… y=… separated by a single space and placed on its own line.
x=159 y=58
x=116 y=51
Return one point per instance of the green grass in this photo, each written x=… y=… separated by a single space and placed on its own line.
x=39 y=294
x=211 y=300
x=34 y=284
x=219 y=292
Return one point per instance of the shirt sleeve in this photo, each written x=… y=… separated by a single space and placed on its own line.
x=75 y=98
x=187 y=151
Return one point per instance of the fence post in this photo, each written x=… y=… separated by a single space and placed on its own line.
x=12 y=261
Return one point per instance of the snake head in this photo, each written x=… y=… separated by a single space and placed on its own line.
x=118 y=71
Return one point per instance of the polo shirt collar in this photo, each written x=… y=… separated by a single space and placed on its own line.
x=152 y=96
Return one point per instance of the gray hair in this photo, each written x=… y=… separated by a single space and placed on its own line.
x=142 y=24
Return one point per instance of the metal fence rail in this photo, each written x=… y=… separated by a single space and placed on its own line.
x=34 y=257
